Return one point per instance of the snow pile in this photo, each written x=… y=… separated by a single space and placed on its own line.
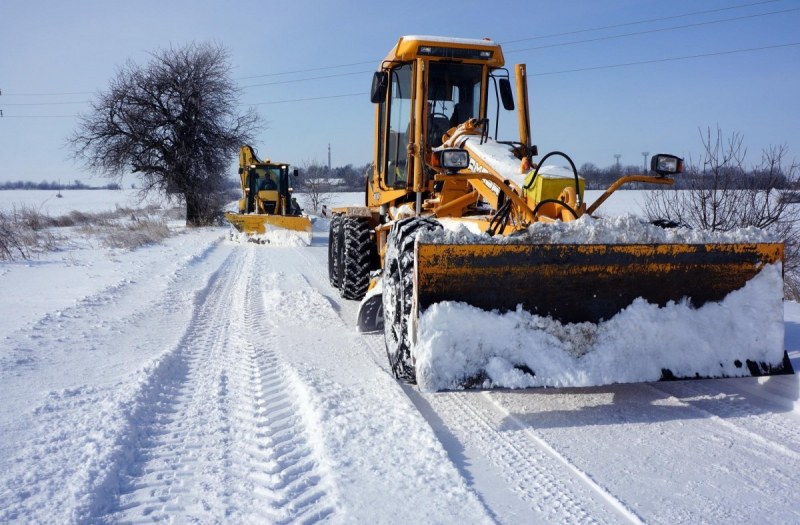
x=457 y=343
x=275 y=237
x=625 y=229
x=502 y=159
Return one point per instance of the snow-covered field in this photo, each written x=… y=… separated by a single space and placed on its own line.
x=204 y=380
x=87 y=201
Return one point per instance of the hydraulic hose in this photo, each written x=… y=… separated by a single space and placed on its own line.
x=574 y=173
x=560 y=203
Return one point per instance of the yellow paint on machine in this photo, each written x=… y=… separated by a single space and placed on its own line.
x=255 y=223
x=585 y=282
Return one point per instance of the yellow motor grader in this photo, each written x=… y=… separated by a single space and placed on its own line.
x=439 y=167
x=267 y=200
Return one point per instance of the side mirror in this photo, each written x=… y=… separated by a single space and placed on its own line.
x=665 y=164
x=505 y=94
x=380 y=81
x=295 y=172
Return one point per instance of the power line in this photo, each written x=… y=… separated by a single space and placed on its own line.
x=39 y=116
x=307 y=78
x=656 y=61
x=740 y=6
x=310 y=69
x=530 y=74
x=44 y=103
x=363 y=94
x=49 y=94
x=559 y=44
x=646 y=21
x=322 y=77
x=649 y=20
x=649 y=31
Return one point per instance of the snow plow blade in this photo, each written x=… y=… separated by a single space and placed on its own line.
x=256 y=224
x=578 y=283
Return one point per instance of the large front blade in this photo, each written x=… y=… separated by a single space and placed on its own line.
x=259 y=223
x=719 y=313
x=584 y=282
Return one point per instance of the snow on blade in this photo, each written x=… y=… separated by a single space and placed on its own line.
x=457 y=342
x=274 y=237
x=626 y=229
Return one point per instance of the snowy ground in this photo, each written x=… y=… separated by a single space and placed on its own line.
x=203 y=380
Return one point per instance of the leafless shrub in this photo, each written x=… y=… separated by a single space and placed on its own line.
x=134 y=234
x=31 y=218
x=11 y=245
x=723 y=195
x=316 y=185
x=24 y=231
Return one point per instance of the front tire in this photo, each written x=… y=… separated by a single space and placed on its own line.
x=398 y=291
x=333 y=250
x=354 y=263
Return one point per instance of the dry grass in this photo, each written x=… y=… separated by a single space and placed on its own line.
x=133 y=234
x=26 y=231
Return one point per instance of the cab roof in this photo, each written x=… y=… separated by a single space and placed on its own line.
x=470 y=50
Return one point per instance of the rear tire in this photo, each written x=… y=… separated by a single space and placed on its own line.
x=398 y=290
x=354 y=264
x=333 y=250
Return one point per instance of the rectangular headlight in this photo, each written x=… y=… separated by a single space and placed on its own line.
x=455 y=52
x=665 y=164
x=454 y=159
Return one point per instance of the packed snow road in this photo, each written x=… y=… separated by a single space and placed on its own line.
x=212 y=381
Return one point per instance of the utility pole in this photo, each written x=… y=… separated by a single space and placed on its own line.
x=644 y=162
x=617 y=156
x=329 y=156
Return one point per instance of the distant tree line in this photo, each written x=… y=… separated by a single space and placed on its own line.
x=316 y=177
x=54 y=186
x=694 y=177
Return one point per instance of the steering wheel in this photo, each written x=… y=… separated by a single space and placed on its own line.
x=436 y=128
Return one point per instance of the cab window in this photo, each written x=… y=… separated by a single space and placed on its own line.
x=396 y=162
x=453 y=97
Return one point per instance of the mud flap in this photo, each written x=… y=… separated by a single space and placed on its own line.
x=370 y=314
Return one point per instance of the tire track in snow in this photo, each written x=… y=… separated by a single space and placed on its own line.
x=108 y=311
x=75 y=441
x=182 y=440
x=226 y=442
x=552 y=488
x=665 y=459
x=288 y=475
x=773 y=431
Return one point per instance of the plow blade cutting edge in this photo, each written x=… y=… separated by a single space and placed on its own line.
x=257 y=223
x=575 y=283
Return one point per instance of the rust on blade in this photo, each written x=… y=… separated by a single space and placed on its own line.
x=584 y=282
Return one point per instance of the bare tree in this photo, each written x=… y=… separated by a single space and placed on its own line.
x=722 y=195
x=174 y=122
x=315 y=185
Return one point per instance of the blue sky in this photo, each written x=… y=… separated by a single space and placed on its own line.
x=56 y=54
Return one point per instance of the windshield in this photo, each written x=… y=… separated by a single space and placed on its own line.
x=454 y=96
x=266 y=178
